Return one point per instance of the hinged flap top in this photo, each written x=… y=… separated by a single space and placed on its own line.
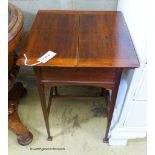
x=80 y=39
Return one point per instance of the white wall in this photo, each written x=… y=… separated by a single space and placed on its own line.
x=131 y=121
x=135 y=16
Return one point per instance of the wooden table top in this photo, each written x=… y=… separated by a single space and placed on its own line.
x=80 y=39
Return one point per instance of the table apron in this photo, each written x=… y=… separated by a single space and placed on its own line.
x=58 y=76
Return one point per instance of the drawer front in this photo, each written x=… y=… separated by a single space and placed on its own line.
x=78 y=75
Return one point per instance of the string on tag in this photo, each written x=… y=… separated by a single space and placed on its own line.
x=26 y=64
x=43 y=59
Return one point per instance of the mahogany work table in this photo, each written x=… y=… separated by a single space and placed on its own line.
x=92 y=48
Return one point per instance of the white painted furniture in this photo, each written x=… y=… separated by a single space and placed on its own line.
x=129 y=121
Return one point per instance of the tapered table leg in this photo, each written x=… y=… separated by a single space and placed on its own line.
x=112 y=103
x=40 y=87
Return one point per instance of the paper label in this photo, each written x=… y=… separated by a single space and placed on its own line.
x=47 y=56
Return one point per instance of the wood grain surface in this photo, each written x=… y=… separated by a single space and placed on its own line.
x=78 y=76
x=80 y=39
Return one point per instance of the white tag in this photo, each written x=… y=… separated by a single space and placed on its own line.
x=47 y=56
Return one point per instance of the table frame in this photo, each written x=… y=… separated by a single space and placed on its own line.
x=42 y=83
x=92 y=48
